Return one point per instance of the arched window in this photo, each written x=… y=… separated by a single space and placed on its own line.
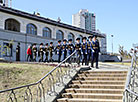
x=46 y=32
x=80 y=36
x=12 y=24
x=71 y=36
x=31 y=29
x=59 y=35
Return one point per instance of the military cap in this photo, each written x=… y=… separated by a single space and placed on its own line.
x=64 y=40
x=34 y=44
x=94 y=36
x=84 y=38
x=70 y=39
x=41 y=44
x=46 y=43
x=90 y=37
x=78 y=39
x=51 y=42
x=59 y=40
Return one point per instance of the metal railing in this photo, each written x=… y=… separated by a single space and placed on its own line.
x=38 y=91
x=131 y=88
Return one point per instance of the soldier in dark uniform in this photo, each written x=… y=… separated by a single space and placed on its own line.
x=78 y=49
x=64 y=49
x=18 y=52
x=41 y=52
x=90 y=50
x=46 y=52
x=51 y=49
x=96 y=48
x=70 y=48
x=58 y=49
x=34 y=48
x=84 y=51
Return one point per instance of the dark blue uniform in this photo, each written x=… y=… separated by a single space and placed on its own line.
x=96 y=49
x=64 y=50
x=84 y=49
x=59 y=51
x=90 y=51
x=70 y=50
x=78 y=49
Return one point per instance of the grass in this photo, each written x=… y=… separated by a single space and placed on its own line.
x=17 y=74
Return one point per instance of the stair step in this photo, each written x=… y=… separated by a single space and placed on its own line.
x=100 y=78
x=87 y=100
x=97 y=82
x=91 y=95
x=110 y=72
x=96 y=86
x=102 y=75
x=87 y=90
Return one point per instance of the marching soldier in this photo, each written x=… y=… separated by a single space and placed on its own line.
x=59 y=50
x=70 y=48
x=78 y=49
x=34 y=48
x=84 y=50
x=41 y=52
x=96 y=48
x=46 y=52
x=90 y=50
x=51 y=49
x=64 y=49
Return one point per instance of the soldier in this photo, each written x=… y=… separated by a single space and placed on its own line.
x=46 y=52
x=51 y=49
x=84 y=51
x=64 y=49
x=96 y=48
x=58 y=49
x=78 y=49
x=34 y=48
x=41 y=52
x=70 y=48
x=90 y=50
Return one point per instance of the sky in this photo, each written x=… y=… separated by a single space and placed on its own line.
x=113 y=17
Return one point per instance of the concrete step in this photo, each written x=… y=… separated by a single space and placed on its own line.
x=104 y=86
x=101 y=75
x=101 y=72
x=98 y=82
x=87 y=90
x=91 y=95
x=87 y=100
x=100 y=78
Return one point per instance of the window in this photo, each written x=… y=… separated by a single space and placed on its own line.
x=59 y=35
x=71 y=36
x=31 y=29
x=47 y=32
x=13 y=25
x=7 y=49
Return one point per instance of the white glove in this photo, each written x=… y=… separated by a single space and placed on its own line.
x=92 y=50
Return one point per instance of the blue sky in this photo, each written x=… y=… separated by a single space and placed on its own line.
x=117 y=17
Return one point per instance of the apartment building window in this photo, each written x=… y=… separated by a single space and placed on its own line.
x=31 y=29
x=46 y=32
x=59 y=35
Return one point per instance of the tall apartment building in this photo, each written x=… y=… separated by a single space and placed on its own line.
x=85 y=20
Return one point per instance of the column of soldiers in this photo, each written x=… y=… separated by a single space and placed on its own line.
x=87 y=51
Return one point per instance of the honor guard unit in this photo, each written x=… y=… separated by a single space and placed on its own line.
x=87 y=51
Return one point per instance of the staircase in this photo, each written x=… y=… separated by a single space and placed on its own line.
x=95 y=86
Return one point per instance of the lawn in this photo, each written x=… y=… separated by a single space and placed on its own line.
x=17 y=74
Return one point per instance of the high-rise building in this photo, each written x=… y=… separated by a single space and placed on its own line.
x=84 y=20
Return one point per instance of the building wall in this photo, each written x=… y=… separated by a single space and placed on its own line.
x=27 y=39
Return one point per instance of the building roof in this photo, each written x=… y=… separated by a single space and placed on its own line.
x=46 y=20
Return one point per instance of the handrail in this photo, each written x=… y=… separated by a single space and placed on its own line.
x=131 y=95
x=52 y=80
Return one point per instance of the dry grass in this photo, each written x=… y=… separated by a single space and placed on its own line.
x=13 y=74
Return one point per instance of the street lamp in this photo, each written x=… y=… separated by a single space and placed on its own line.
x=112 y=43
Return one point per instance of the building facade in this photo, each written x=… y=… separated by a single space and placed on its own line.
x=21 y=28
x=84 y=20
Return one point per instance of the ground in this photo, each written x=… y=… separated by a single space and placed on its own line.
x=17 y=74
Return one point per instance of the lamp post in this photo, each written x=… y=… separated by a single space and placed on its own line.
x=112 y=44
